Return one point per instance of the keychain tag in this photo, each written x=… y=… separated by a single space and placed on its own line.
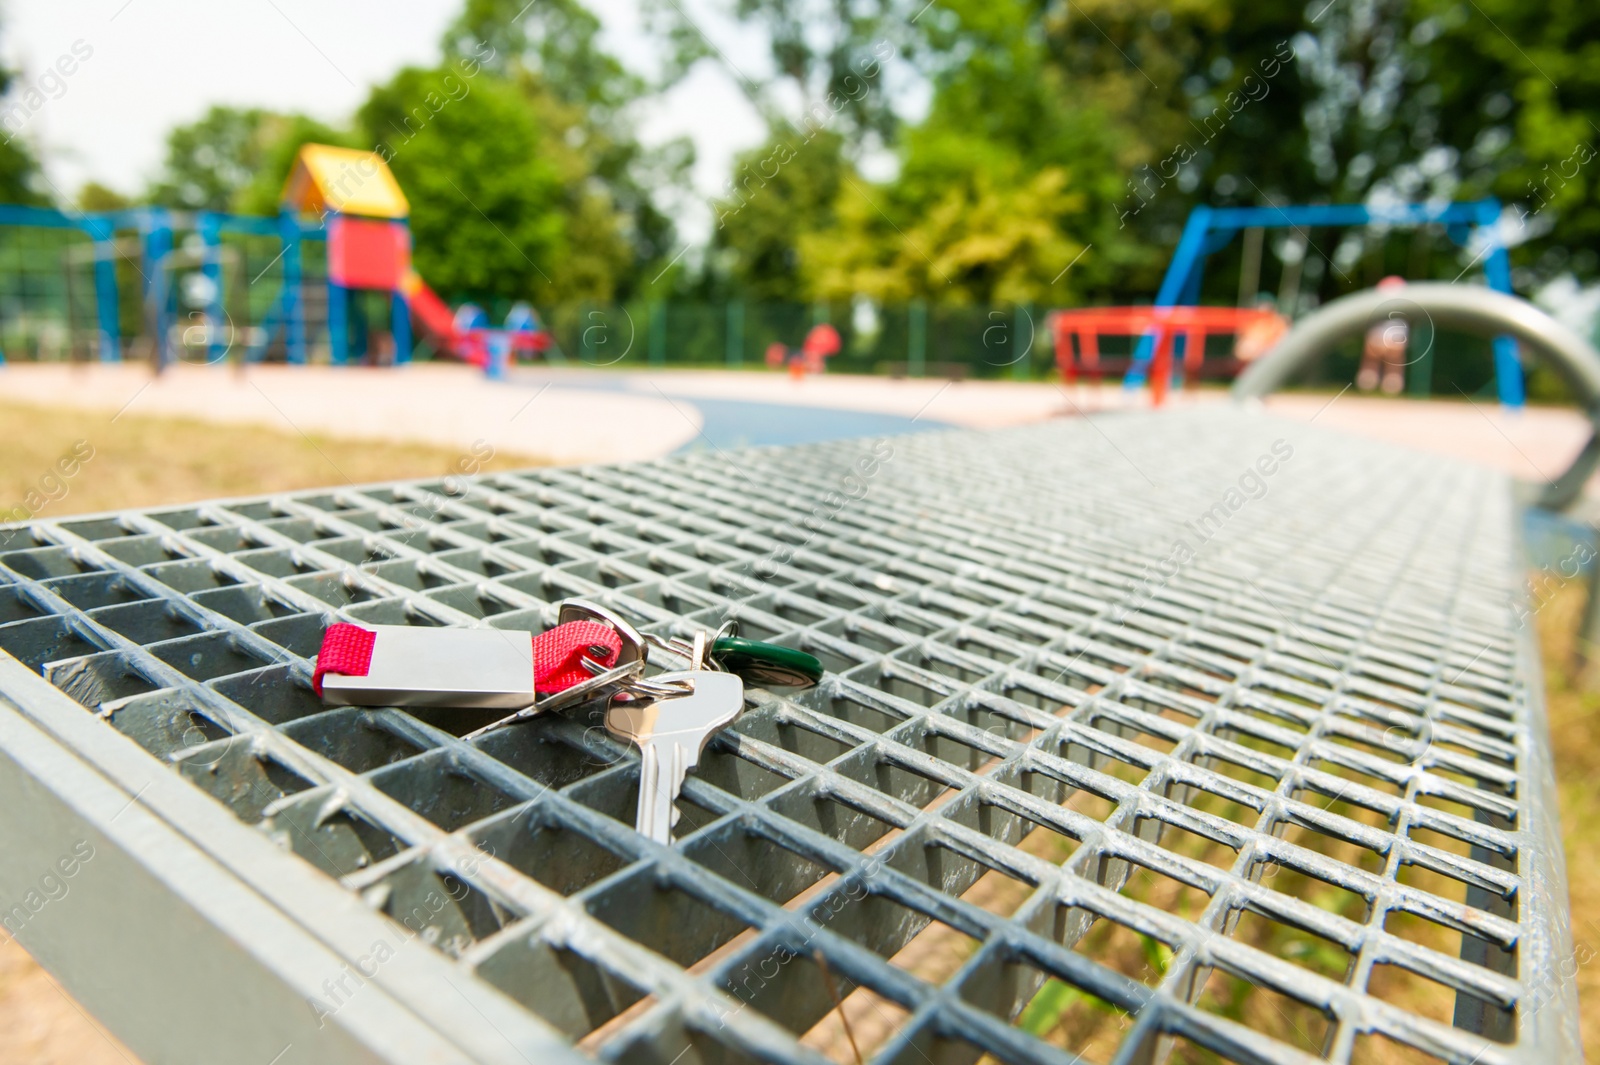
x=422 y=666
x=492 y=669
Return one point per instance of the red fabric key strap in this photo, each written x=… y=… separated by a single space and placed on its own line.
x=346 y=650
x=557 y=653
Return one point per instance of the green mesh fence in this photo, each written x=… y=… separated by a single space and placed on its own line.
x=915 y=339
x=47 y=303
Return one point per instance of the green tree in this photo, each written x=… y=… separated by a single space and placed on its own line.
x=1014 y=173
x=1149 y=107
x=781 y=191
x=97 y=197
x=282 y=137
x=980 y=241
x=486 y=202
x=831 y=55
x=1513 y=96
x=236 y=159
x=210 y=161
x=580 y=95
x=558 y=40
x=20 y=177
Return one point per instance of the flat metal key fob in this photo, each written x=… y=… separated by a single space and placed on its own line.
x=404 y=665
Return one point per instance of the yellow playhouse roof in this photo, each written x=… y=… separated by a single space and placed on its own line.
x=345 y=180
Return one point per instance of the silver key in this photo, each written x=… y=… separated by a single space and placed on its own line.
x=670 y=734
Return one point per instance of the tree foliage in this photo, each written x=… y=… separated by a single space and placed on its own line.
x=20 y=177
x=1101 y=123
x=828 y=58
x=780 y=193
x=97 y=197
x=1013 y=174
x=484 y=198
x=282 y=137
x=581 y=96
x=516 y=151
x=984 y=239
x=1059 y=151
x=211 y=160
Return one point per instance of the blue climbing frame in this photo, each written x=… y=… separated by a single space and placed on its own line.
x=156 y=227
x=100 y=228
x=1209 y=229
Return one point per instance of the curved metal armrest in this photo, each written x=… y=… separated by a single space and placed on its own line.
x=1468 y=308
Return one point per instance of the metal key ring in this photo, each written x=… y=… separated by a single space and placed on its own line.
x=633 y=644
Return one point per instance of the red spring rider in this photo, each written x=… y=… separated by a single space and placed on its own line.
x=821 y=342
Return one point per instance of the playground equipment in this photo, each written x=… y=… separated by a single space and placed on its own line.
x=369 y=248
x=811 y=357
x=1209 y=229
x=211 y=282
x=1192 y=324
x=466 y=331
x=369 y=243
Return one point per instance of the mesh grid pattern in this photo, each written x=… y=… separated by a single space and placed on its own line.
x=1017 y=645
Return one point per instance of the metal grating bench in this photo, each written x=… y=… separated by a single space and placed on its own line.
x=1067 y=784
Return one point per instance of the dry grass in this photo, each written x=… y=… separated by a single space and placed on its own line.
x=144 y=462
x=41 y=1025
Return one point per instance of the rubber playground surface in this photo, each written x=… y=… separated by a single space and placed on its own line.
x=570 y=415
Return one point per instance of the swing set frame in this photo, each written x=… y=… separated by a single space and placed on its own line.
x=1210 y=229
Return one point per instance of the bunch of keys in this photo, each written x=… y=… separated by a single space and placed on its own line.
x=590 y=654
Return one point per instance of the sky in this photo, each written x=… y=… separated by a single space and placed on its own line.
x=140 y=67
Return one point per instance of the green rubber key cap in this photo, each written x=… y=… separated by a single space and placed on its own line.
x=766 y=664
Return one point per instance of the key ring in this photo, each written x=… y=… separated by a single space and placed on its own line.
x=757 y=662
x=592 y=651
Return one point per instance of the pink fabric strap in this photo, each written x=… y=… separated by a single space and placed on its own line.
x=557 y=654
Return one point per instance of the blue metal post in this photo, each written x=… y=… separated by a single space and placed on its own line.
x=294 y=311
x=338 y=302
x=338 y=324
x=209 y=226
x=105 y=288
x=158 y=287
x=400 y=327
x=1497 y=272
x=1186 y=261
x=499 y=351
x=1507 y=367
x=1186 y=258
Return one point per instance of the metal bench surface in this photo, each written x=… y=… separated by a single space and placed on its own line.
x=1111 y=632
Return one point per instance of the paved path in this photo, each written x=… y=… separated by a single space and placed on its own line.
x=564 y=416
x=1536 y=443
x=577 y=415
x=972 y=404
x=736 y=423
x=446 y=405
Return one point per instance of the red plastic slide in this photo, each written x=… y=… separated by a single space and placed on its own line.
x=436 y=317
